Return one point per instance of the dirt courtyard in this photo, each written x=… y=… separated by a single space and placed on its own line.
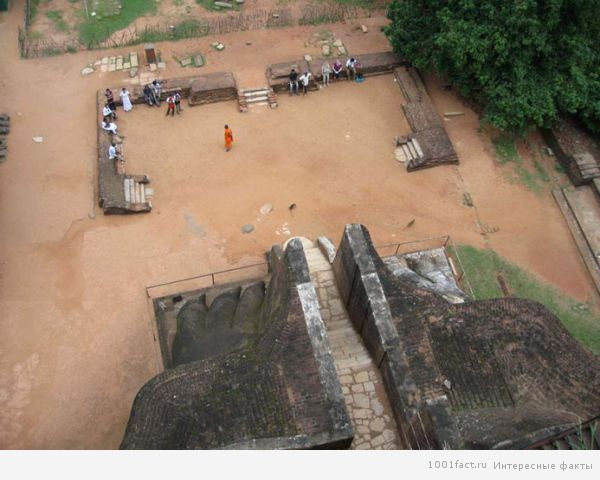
x=76 y=334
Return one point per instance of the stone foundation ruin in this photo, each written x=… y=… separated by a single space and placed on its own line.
x=428 y=145
x=481 y=374
x=121 y=193
x=249 y=365
x=253 y=369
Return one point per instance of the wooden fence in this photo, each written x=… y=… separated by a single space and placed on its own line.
x=312 y=14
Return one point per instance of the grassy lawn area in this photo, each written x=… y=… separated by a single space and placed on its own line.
x=482 y=268
x=95 y=30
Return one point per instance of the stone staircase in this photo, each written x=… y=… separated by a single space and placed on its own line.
x=408 y=150
x=259 y=96
x=137 y=191
x=362 y=385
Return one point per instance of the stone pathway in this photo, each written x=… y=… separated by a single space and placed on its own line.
x=366 y=399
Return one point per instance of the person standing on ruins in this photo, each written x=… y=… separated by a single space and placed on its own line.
x=110 y=99
x=337 y=69
x=326 y=72
x=170 y=106
x=351 y=68
x=305 y=79
x=293 y=81
x=177 y=98
x=127 y=106
x=228 y=138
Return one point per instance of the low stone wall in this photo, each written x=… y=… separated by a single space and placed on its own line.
x=371 y=64
x=279 y=392
x=424 y=122
x=111 y=182
x=578 y=158
x=211 y=88
x=278 y=74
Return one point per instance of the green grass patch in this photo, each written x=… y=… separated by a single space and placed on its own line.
x=98 y=28
x=506 y=153
x=33 y=6
x=54 y=15
x=506 y=150
x=482 y=268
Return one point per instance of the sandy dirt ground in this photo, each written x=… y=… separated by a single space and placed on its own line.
x=77 y=342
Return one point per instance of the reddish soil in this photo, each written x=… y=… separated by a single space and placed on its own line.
x=76 y=326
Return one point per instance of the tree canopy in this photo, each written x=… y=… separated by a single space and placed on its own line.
x=523 y=61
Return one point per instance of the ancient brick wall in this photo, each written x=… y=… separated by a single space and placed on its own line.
x=487 y=374
x=280 y=393
x=424 y=122
x=359 y=272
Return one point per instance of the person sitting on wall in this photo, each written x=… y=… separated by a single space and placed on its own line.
x=114 y=154
x=293 y=81
x=156 y=91
x=337 y=69
x=109 y=126
x=107 y=112
x=148 y=95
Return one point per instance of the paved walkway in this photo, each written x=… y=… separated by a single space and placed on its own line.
x=368 y=405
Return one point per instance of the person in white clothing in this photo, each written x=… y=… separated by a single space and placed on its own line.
x=127 y=106
x=351 y=68
x=113 y=153
x=107 y=112
x=305 y=80
x=109 y=127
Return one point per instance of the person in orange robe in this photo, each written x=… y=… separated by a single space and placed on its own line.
x=228 y=138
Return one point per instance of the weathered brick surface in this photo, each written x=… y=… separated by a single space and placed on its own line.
x=371 y=64
x=424 y=122
x=212 y=88
x=280 y=392
x=111 y=189
x=278 y=74
x=485 y=374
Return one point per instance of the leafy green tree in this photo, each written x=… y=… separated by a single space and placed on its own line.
x=523 y=61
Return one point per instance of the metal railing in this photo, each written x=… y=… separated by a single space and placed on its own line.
x=207 y=280
x=258 y=270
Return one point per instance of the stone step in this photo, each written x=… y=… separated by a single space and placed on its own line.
x=256 y=93
x=132 y=190
x=257 y=99
x=137 y=192
x=126 y=190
